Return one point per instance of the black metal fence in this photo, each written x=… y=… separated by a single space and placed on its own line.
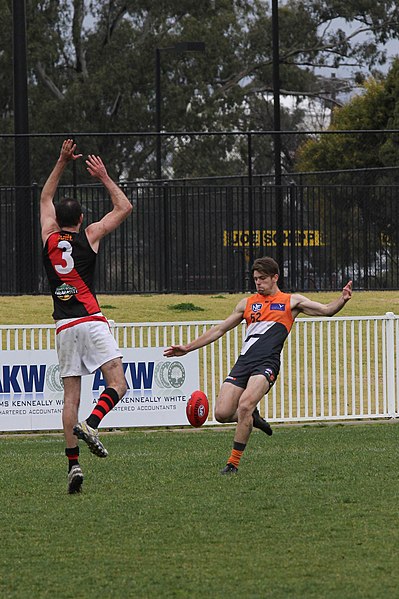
x=202 y=239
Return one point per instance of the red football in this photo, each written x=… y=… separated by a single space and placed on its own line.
x=197 y=408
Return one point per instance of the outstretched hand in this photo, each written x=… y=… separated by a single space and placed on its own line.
x=347 y=291
x=96 y=167
x=175 y=350
x=68 y=151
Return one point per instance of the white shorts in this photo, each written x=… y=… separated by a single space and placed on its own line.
x=84 y=345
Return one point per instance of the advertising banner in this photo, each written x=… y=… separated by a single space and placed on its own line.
x=31 y=390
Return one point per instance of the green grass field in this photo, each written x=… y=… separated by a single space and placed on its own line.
x=311 y=514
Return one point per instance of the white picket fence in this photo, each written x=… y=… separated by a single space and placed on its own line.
x=332 y=368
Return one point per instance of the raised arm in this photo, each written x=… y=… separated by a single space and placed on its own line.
x=121 y=205
x=210 y=335
x=47 y=211
x=300 y=303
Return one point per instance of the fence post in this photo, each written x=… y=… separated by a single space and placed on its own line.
x=250 y=208
x=292 y=263
x=36 y=236
x=121 y=250
x=390 y=353
x=167 y=240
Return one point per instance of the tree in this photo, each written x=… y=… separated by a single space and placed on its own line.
x=91 y=69
x=375 y=109
x=373 y=209
x=339 y=152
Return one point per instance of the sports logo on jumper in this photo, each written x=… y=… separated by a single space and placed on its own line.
x=169 y=374
x=280 y=307
x=256 y=307
x=64 y=292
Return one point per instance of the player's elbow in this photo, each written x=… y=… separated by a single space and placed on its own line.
x=128 y=209
x=123 y=211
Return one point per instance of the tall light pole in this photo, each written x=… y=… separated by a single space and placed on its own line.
x=277 y=140
x=179 y=48
x=24 y=256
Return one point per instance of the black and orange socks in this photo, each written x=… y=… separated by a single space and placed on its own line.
x=236 y=453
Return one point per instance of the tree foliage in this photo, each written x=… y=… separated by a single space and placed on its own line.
x=91 y=69
x=376 y=109
x=355 y=160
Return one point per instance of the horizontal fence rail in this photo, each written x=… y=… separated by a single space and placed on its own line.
x=332 y=368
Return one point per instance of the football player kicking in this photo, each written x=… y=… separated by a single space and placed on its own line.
x=269 y=315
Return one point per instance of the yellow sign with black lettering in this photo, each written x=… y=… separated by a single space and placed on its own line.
x=268 y=238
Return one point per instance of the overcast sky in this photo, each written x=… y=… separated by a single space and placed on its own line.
x=392 y=48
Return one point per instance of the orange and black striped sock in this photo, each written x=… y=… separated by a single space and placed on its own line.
x=72 y=453
x=236 y=453
x=108 y=400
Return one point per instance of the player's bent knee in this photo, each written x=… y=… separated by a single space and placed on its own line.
x=222 y=416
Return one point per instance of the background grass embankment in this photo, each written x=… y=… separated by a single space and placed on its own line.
x=162 y=308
